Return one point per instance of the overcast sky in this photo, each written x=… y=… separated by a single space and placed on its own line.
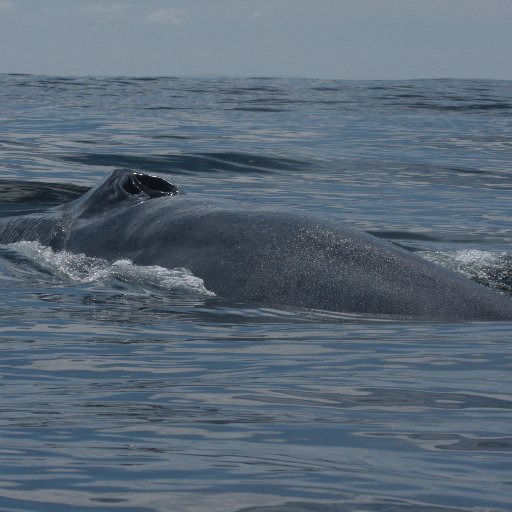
x=354 y=39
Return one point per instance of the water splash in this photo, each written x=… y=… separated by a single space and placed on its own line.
x=493 y=269
x=81 y=269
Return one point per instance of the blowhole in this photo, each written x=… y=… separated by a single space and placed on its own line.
x=150 y=186
x=156 y=184
x=130 y=187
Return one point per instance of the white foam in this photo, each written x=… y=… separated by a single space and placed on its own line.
x=79 y=269
x=478 y=258
x=470 y=258
x=490 y=268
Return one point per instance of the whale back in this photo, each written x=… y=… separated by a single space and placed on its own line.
x=267 y=256
x=256 y=255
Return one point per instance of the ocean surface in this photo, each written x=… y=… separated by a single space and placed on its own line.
x=134 y=389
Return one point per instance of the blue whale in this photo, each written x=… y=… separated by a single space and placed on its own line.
x=256 y=255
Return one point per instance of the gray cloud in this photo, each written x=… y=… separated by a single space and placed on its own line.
x=103 y=8
x=166 y=16
x=6 y=5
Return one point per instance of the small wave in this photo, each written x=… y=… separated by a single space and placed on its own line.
x=38 y=194
x=81 y=269
x=259 y=109
x=213 y=162
x=493 y=269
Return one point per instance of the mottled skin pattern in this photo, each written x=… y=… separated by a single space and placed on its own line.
x=257 y=256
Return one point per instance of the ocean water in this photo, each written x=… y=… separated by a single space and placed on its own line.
x=134 y=389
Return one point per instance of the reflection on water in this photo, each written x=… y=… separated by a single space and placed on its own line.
x=246 y=410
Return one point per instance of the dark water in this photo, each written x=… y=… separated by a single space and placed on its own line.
x=133 y=389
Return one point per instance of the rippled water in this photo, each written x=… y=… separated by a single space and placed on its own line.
x=132 y=388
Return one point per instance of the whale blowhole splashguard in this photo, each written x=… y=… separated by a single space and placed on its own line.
x=151 y=186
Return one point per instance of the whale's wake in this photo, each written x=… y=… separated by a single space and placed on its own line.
x=493 y=269
x=80 y=269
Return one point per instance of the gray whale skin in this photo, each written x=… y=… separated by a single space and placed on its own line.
x=256 y=255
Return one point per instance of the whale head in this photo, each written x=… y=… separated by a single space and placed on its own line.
x=120 y=188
